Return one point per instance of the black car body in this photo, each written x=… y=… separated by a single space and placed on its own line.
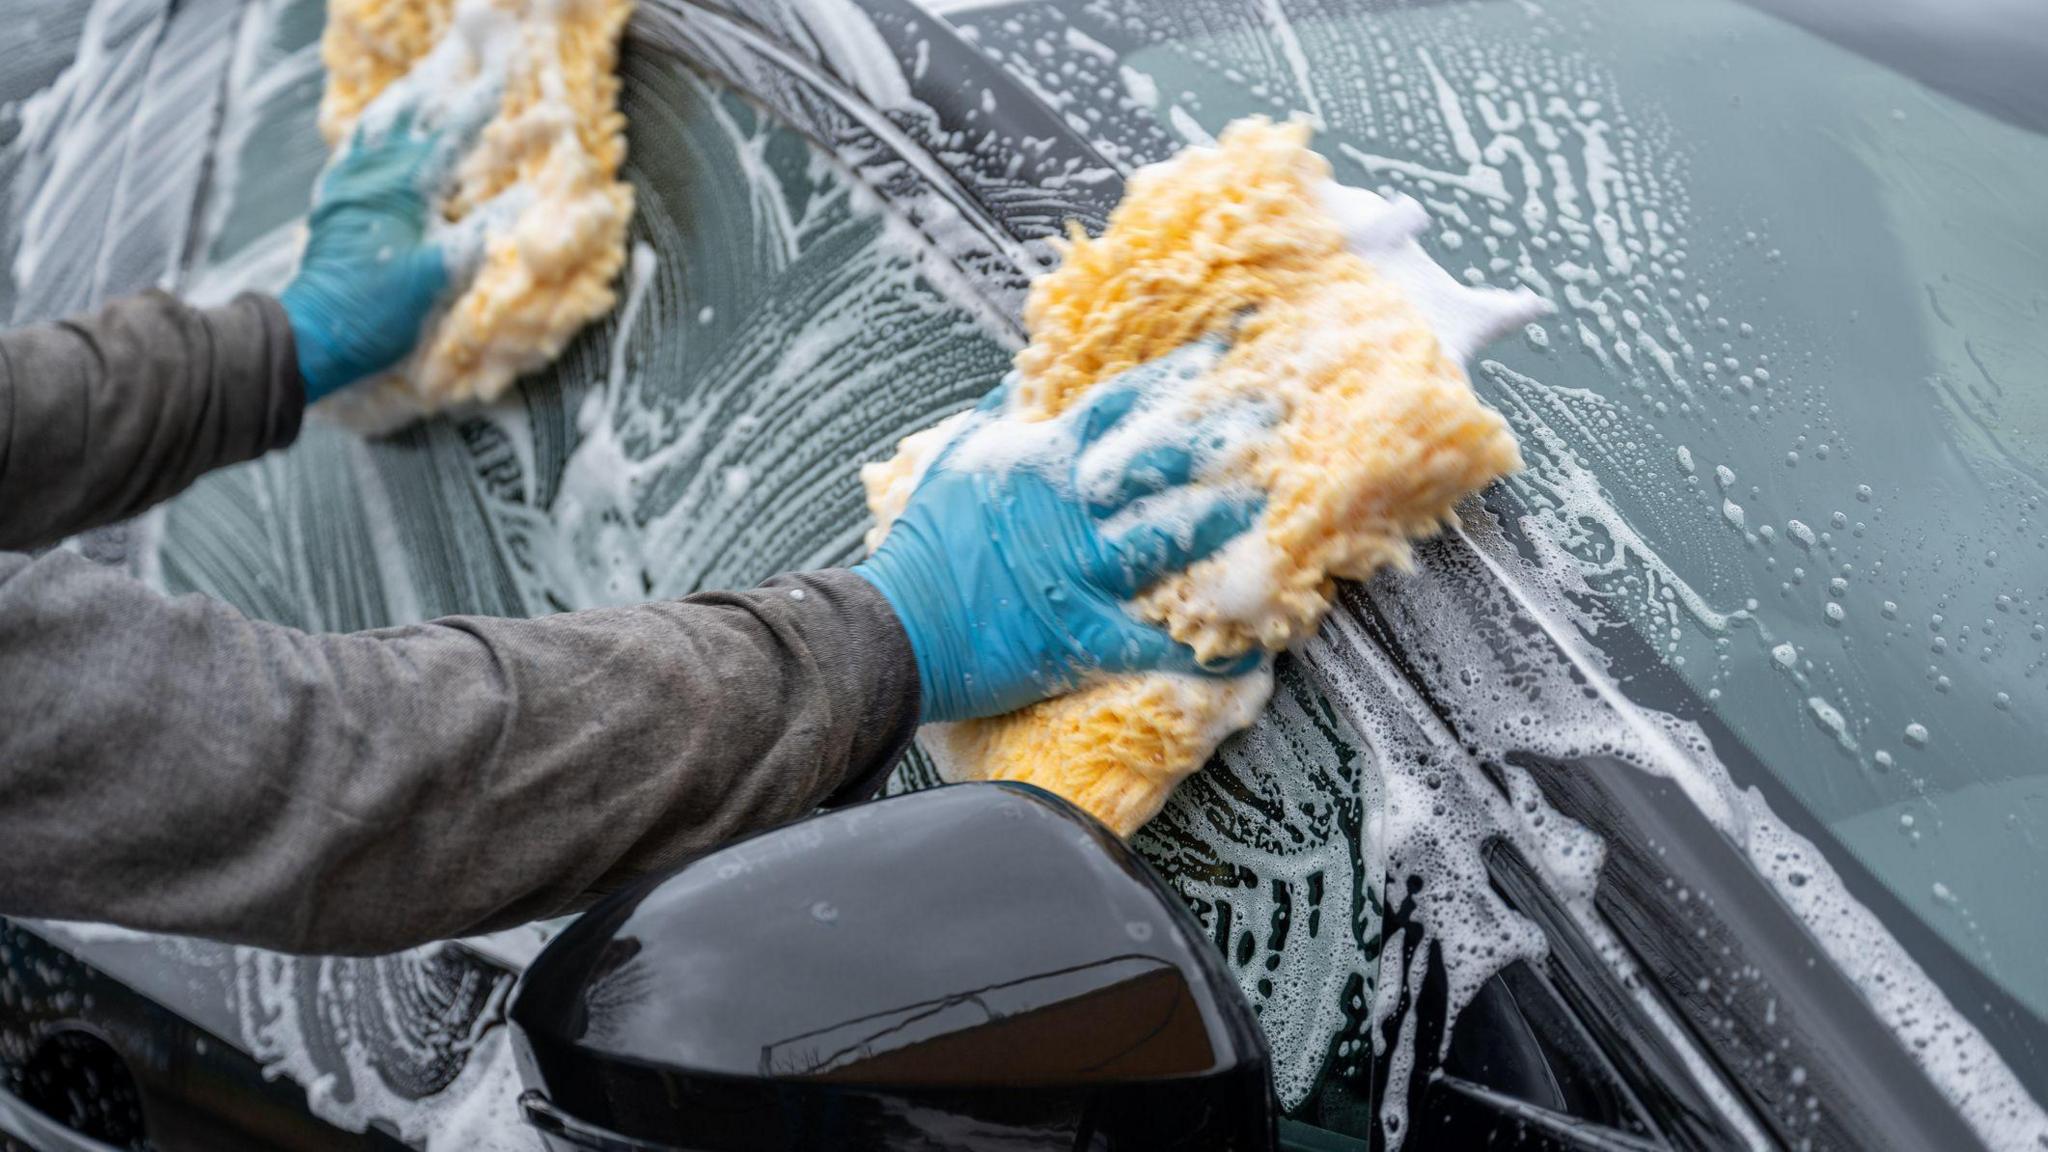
x=1548 y=844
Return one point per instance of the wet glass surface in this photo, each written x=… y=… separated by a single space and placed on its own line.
x=1791 y=417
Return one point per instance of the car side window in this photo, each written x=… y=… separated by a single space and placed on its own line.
x=776 y=328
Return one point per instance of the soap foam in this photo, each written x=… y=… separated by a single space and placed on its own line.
x=534 y=227
x=325 y=1023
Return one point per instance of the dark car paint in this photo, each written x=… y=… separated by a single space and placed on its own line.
x=809 y=988
x=187 y=1085
x=1868 y=1094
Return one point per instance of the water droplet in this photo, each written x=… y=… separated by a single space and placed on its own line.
x=1863 y=493
x=1786 y=655
x=1916 y=734
x=2002 y=701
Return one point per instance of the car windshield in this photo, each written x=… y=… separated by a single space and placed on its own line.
x=1790 y=418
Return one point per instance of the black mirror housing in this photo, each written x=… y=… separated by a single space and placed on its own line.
x=973 y=966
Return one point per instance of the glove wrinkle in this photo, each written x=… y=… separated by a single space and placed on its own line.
x=1001 y=570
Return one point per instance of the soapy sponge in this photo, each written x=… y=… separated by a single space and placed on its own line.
x=538 y=198
x=1338 y=320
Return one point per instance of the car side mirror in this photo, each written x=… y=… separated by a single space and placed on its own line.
x=975 y=966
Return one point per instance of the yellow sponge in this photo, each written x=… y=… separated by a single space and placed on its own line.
x=544 y=174
x=1380 y=436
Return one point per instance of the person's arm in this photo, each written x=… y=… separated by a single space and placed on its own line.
x=173 y=765
x=104 y=416
x=101 y=417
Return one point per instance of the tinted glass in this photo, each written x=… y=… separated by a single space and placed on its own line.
x=1790 y=418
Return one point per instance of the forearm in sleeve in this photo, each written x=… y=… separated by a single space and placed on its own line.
x=103 y=416
x=172 y=765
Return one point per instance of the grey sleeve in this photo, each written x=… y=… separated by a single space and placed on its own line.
x=169 y=764
x=102 y=417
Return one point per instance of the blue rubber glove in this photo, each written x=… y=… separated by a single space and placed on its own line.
x=1009 y=569
x=369 y=276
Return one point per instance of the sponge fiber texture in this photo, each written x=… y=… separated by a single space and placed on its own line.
x=1379 y=435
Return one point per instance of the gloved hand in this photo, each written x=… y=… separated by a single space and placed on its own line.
x=369 y=276
x=1009 y=566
